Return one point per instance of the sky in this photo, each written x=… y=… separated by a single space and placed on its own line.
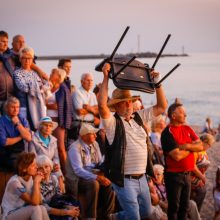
x=81 y=27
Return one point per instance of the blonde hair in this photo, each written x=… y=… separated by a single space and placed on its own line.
x=208 y=139
x=60 y=72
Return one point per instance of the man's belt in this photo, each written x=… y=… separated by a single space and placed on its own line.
x=136 y=177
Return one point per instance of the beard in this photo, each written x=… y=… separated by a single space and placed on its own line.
x=127 y=114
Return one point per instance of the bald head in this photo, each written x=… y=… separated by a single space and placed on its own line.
x=18 y=42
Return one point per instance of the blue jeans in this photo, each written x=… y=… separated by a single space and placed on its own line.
x=134 y=199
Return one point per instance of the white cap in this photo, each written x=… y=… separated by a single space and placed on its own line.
x=86 y=128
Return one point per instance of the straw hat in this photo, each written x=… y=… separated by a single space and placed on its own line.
x=120 y=95
x=48 y=120
x=86 y=128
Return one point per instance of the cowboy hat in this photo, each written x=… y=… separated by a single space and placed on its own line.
x=120 y=95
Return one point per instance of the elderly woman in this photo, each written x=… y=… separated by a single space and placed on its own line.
x=43 y=143
x=60 y=108
x=22 y=197
x=55 y=203
x=30 y=89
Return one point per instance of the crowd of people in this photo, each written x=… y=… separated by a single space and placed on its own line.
x=73 y=153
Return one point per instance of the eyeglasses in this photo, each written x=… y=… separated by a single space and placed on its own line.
x=27 y=58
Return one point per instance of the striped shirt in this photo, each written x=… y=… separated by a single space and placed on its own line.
x=136 y=147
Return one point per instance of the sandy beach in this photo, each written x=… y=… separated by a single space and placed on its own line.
x=207 y=211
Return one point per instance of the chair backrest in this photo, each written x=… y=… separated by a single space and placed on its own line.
x=136 y=76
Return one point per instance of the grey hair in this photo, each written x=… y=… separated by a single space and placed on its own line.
x=10 y=100
x=26 y=50
x=83 y=76
x=159 y=168
x=43 y=160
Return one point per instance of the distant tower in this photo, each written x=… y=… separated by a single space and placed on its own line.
x=138 y=43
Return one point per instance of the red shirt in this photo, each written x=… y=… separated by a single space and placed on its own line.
x=171 y=138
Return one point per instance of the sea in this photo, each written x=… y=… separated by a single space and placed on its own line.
x=196 y=82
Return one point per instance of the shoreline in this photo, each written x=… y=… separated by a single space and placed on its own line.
x=103 y=56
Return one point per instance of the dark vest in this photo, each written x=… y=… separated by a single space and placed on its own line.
x=115 y=153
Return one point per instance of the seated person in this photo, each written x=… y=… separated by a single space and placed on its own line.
x=55 y=203
x=157 y=212
x=43 y=143
x=22 y=197
x=83 y=177
x=208 y=128
x=159 y=185
x=13 y=131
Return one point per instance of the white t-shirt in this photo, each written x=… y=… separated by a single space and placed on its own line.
x=51 y=112
x=16 y=186
x=136 y=148
x=81 y=97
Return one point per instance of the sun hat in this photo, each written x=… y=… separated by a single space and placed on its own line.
x=87 y=128
x=48 y=119
x=120 y=95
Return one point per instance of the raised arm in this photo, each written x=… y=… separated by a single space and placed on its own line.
x=104 y=110
x=161 y=104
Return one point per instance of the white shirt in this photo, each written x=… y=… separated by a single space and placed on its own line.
x=81 y=97
x=52 y=112
x=16 y=186
x=136 y=148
